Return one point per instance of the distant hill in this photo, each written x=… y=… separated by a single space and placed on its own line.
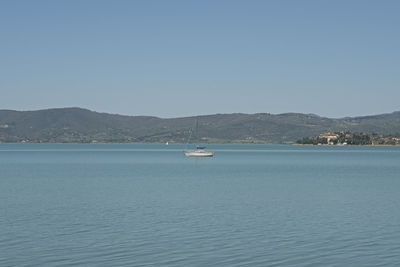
x=81 y=125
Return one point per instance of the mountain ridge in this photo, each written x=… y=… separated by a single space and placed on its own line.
x=74 y=124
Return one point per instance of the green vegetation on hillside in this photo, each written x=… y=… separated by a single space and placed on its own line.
x=81 y=125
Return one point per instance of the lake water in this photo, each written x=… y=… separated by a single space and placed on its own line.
x=149 y=205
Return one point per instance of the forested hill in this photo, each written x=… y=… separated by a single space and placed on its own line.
x=81 y=125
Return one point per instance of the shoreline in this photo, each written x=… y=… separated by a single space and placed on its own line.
x=228 y=143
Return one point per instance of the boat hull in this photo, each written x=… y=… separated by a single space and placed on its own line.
x=198 y=153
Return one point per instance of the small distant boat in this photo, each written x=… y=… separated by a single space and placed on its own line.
x=166 y=143
x=198 y=153
x=200 y=150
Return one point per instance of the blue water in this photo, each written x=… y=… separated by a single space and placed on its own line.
x=149 y=205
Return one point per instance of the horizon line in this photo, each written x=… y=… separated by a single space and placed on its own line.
x=199 y=115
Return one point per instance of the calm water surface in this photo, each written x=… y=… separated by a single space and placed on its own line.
x=148 y=205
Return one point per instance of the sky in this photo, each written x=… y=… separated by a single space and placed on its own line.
x=182 y=58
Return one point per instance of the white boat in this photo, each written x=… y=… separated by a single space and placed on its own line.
x=198 y=153
x=200 y=150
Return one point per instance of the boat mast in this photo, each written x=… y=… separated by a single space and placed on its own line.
x=191 y=133
x=196 y=132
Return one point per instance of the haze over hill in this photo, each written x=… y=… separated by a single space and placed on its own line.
x=82 y=125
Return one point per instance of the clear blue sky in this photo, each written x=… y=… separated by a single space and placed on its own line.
x=180 y=58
